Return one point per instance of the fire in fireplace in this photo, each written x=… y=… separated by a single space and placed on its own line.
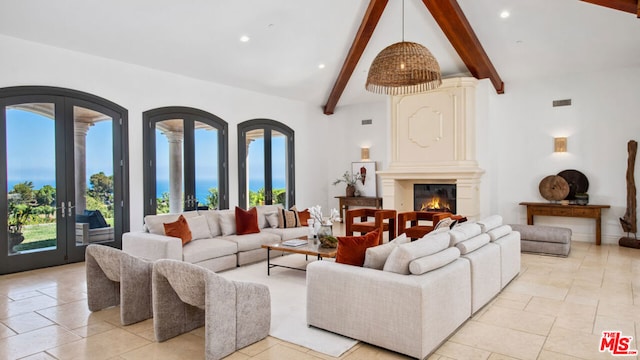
x=434 y=197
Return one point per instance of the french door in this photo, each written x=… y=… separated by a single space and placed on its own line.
x=185 y=160
x=266 y=169
x=64 y=176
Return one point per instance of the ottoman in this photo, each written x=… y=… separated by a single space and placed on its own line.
x=549 y=240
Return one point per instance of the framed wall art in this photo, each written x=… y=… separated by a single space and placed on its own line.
x=366 y=186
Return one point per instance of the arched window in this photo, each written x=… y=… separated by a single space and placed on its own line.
x=185 y=157
x=65 y=171
x=266 y=169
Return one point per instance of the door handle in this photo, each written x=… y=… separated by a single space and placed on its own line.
x=69 y=207
x=62 y=209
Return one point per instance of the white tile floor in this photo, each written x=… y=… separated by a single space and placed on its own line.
x=555 y=309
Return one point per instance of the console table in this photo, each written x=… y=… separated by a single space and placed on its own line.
x=579 y=211
x=346 y=201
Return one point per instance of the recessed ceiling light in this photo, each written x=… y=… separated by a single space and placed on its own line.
x=505 y=14
x=321 y=66
x=244 y=38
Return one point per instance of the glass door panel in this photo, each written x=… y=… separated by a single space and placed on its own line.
x=31 y=178
x=93 y=176
x=169 y=150
x=207 y=188
x=256 y=183
x=279 y=168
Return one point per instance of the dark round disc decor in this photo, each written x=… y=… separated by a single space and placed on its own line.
x=578 y=182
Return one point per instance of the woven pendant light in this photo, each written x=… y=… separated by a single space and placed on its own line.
x=403 y=68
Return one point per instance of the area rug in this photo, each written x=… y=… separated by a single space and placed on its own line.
x=288 y=304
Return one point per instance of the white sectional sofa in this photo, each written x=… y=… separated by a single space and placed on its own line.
x=414 y=313
x=215 y=244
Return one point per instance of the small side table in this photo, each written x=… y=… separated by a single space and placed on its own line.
x=364 y=201
x=579 y=211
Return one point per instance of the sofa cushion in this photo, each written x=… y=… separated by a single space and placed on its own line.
x=499 y=232
x=401 y=256
x=376 y=256
x=246 y=221
x=434 y=261
x=463 y=232
x=290 y=233
x=444 y=223
x=227 y=220
x=351 y=249
x=263 y=210
x=473 y=244
x=252 y=241
x=205 y=249
x=272 y=220
x=287 y=219
x=199 y=227
x=95 y=219
x=154 y=223
x=304 y=217
x=490 y=223
x=213 y=221
x=179 y=229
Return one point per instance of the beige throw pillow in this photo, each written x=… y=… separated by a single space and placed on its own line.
x=375 y=257
x=401 y=256
x=199 y=227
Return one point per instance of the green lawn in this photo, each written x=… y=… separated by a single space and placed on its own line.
x=41 y=236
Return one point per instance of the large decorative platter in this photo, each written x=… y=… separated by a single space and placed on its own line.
x=554 y=188
x=578 y=182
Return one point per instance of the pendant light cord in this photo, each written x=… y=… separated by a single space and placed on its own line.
x=402 y=20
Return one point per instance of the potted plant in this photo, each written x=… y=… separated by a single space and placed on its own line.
x=19 y=214
x=350 y=179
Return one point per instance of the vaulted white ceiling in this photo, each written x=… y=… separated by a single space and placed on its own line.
x=290 y=38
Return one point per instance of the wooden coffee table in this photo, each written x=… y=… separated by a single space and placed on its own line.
x=307 y=249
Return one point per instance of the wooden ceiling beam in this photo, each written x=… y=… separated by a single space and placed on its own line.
x=630 y=6
x=369 y=22
x=456 y=27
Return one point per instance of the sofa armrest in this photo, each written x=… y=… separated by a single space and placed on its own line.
x=151 y=246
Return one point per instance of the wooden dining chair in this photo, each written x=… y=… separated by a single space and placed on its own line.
x=371 y=219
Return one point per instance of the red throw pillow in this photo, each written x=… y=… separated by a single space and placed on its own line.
x=304 y=216
x=351 y=249
x=247 y=221
x=179 y=229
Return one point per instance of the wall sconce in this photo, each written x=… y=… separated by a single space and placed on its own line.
x=560 y=144
x=364 y=153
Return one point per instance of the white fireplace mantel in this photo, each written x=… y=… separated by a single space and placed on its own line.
x=433 y=142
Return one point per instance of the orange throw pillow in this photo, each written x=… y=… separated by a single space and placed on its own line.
x=351 y=249
x=247 y=221
x=304 y=216
x=179 y=229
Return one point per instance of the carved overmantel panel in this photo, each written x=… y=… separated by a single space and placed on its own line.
x=433 y=141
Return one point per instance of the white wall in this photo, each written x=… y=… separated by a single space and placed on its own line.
x=346 y=135
x=602 y=119
x=139 y=89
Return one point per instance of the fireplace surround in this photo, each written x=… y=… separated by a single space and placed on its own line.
x=433 y=142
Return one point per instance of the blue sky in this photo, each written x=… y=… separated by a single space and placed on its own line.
x=31 y=148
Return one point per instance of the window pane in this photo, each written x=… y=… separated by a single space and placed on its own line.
x=169 y=171
x=206 y=166
x=279 y=168
x=255 y=167
x=93 y=151
x=31 y=177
